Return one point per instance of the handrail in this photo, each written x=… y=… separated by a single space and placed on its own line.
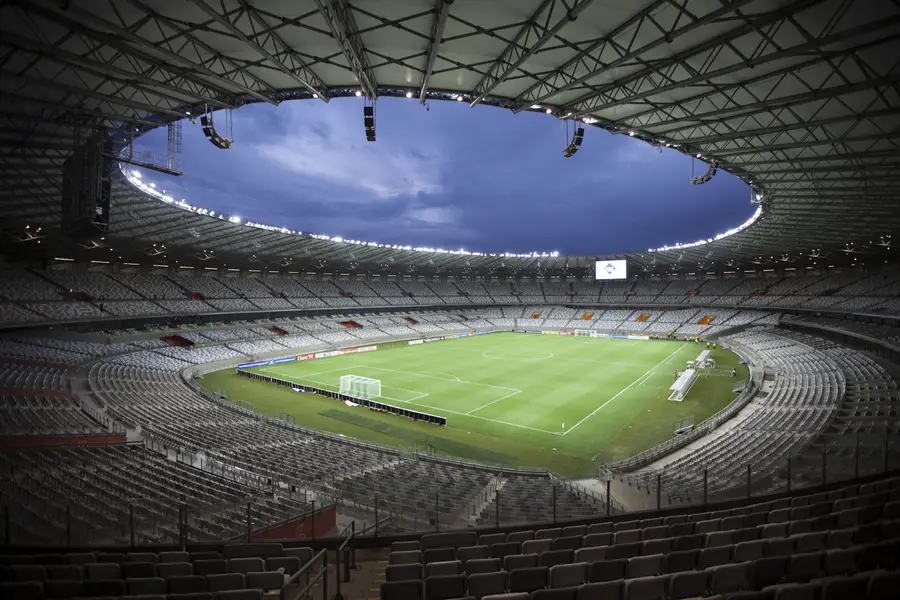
x=309 y=582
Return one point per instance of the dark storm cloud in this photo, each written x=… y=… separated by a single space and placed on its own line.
x=481 y=179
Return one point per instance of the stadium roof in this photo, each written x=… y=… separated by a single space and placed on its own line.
x=800 y=98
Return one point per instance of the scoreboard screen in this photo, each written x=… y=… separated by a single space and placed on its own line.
x=610 y=269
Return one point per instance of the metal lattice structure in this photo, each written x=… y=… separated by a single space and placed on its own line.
x=799 y=98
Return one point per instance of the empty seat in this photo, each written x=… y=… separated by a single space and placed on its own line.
x=660 y=546
x=28 y=572
x=403 y=572
x=655 y=533
x=504 y=549
x=403 y=590
x=597 y=539
x=810 y=542
x=729 y=578
x=805 y=566
x=627 y=536
x=22 y=590
x=798 y=591
x=644 y=566
x=443 y=587
x=102 y=571
x=688 y=585
x=265 y=580
x=405 y=557
x=646 y=588
x=214 y=566
x=142 y=557
x=468 y=553
x=231 y=595
x=719 y=538
x=778 y=547
x=556 y=557
x=520 y=536
x=551 y=533
x=710 y=557
x=768 y=571
x=590 y=555
x=607 y=570
x=489 y=539
x=605 y=527
x=187 y=584
x=484 y=584
x=139 y=569
x=145 y=586
x=173 y=569
x=173 y=557
x=690 y=542
x=404 y=546
x=748 y=550
x=844 y=588
x=537 y=546
x=605 y=590
x=562 y=576
x=63 y=588
x=569 y=593
x=528 y=580
x=574 y=530
x=224 y=582
x=624 y=550
x=883 y=586
x=439 y=555
x=64 y=572
x=840 y=561
x=567 y=543
x=708 y=526
x=482 y=565
x=520 y=561
x=446 y=567
x=682 y=560
x=677 y=529
x=104 y=587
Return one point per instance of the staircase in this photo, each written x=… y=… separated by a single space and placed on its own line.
x=587 y=316
x=536 y=315
x=642 y=318
x=706 y=320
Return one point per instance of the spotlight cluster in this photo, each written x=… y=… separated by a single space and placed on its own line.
x=710 y=173
x=575 y=144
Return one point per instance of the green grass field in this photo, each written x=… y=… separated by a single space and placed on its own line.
x=506 y=396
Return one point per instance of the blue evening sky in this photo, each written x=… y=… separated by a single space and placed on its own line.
x=453 y=177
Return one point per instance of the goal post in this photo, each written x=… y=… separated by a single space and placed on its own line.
x=585 y=333
x=358 y=386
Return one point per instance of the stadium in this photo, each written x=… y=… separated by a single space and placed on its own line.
x=199 y=406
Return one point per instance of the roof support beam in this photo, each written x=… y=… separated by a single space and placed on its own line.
x=437 y=33
x=641 y=81
x=806 y=144
x=338 y=16
x=518 y=51
x=306 y=79
x=172 y=61
x=100 y=97
x=732 y=135
x=147 y=84
x=588 y=64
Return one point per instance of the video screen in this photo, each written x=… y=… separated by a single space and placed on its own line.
x=610 y=269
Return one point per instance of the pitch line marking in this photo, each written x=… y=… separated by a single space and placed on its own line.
x=649 y=372
x=493 y=402
x=414 y=374
x=448 y=375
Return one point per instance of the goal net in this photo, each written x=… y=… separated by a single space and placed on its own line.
x=360 y=387
x=585 y=333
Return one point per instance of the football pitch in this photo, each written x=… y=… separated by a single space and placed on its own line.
x=559 y=402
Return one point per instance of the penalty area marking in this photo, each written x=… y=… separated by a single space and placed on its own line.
x=649 y=372
x=513 y=356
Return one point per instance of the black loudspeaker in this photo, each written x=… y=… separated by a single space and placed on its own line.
x=369 y=122
x=87 y=182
